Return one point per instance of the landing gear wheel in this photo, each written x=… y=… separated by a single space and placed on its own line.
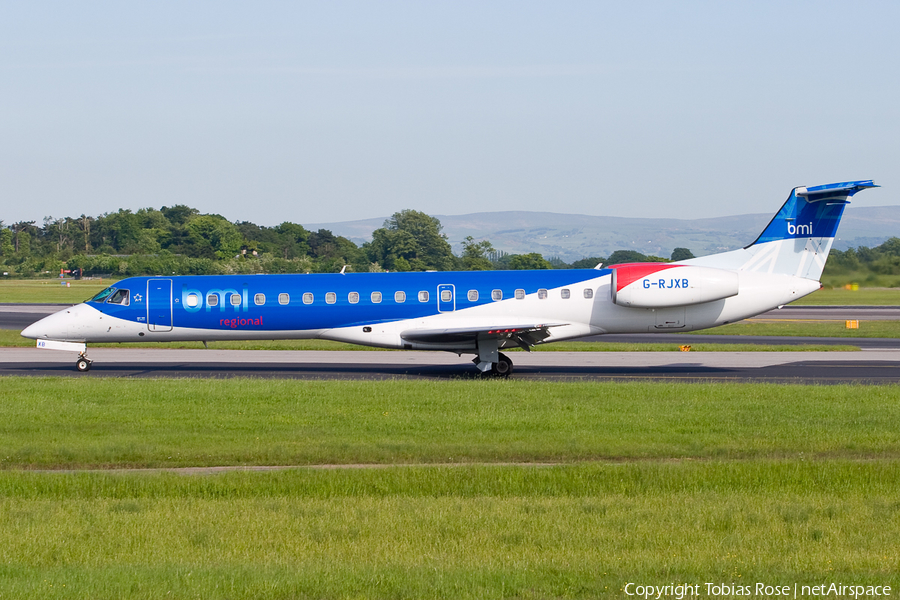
x=503 y=367
x=83 y=364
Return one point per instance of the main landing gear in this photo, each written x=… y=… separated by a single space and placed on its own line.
x=502 y=368
x=83 y=364
x=491 y=362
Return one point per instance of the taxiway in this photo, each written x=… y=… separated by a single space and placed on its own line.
x=780 y=367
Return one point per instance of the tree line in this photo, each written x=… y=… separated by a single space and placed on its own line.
x=870 y=267
x=180 y=240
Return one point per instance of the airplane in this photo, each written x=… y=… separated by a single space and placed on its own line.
x=469 y=312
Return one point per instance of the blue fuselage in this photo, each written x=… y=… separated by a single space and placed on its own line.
x=323 y=301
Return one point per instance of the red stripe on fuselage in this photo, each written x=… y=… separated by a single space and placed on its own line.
x=630 y=272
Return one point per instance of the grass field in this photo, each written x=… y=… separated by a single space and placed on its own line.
x=579 y=531
x=844 y=297
x=652 y=483
x=867 y=329
x=65 y=423
x=50 y=291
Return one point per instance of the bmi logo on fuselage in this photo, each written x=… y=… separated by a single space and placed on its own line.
x=193 y=300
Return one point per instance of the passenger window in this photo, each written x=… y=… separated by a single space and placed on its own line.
x=497 y=295
x=446 y=295
x=353 y=297
x=330 y=298
x=423 y=296
x=588 y=293
x=542 y=294
x=259 y=299
x=564 y=293
x=192 y=300
x=308 y=298
x=120 y=297
x=400 y=297
x=520 y=294
x=472 y=296
x=284 y=298
x=212 y=300
x=235 y=299
x=376 y=297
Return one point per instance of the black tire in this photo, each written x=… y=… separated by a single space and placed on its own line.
x=503 y=367
x=83 y=365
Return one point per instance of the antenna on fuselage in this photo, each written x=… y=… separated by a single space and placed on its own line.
x=344 y=268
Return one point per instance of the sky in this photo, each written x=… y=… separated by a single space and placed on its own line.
x=316 y=112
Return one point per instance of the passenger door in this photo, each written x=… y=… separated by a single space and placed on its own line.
x=159 y=304
x=446 y=297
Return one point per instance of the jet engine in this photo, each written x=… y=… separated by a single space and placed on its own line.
x=661 y=285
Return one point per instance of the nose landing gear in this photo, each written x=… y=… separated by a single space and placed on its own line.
x=83 y=364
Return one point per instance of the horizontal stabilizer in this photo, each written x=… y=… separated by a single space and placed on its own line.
x=839 y=191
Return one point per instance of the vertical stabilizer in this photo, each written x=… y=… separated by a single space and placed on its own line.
x=798 y=239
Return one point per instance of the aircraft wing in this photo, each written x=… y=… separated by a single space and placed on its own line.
x=523 y=335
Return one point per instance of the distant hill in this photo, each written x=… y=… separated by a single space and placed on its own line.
x=571 y=237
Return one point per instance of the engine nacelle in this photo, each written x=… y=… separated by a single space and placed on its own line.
x=661 y=285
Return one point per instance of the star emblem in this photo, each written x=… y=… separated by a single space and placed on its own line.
x=138 y=297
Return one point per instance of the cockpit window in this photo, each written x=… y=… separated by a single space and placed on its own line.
x=102 y=295
x=119 y=297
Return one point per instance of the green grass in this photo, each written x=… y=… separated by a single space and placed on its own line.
x=655 y=483
x=864 y=276
x=50 y=291
x=67 y=423
x=867 y=329
x=469 y=532
x=842 y=297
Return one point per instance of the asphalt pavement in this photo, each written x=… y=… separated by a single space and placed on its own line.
x=881 y=367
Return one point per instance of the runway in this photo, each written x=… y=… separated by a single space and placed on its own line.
x=20 y=316
x=878 y=363
x=879 y=367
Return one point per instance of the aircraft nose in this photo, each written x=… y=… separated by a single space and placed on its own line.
x=51 y=327
x=32 y=331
